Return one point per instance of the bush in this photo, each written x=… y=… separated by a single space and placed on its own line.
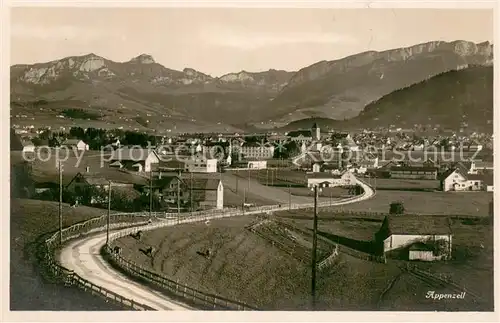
x=396 y=208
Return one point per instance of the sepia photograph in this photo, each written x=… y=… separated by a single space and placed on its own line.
x=250 y=159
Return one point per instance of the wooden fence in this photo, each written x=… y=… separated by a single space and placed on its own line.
x=201 y=299
x=58 y=273
x=438 y=280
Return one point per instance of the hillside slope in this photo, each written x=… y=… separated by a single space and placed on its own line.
x=451 y=99
x=341 y=88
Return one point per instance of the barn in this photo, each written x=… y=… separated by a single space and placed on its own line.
x=405 y=235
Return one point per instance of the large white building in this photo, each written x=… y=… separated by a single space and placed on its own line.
x=257 y=151
x=201 y=165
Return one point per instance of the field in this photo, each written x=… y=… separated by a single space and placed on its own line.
x=327 y=192
x=453 y=203
x=247 y=267
x=273 y=177
x=471 y=266
x=29 y=219
x=403 y=184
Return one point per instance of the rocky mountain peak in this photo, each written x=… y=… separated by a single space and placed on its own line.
x=143 y=59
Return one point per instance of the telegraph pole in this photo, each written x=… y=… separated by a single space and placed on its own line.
x=236 y=184
x=150 y=192
x=60 y=202
x=314 y=247
x=191 y=193
x=267 y=176
x=109 y=214
x=178 y=196
x=289 y=198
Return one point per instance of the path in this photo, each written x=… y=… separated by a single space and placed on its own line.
x=83 y=257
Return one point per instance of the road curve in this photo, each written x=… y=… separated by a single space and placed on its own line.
x=83 y=257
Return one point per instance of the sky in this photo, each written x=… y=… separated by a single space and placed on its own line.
x=217 y=41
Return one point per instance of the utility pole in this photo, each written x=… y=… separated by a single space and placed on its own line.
x=191 y=193
x=289 y=198
x=249 y=179
x=330 y=198
x=109 y=214
x=178 y=197
x=314 y=247
x=60 y=202
x=236 y=184
x=244 y=201
x=150 y=192
x=267 y=176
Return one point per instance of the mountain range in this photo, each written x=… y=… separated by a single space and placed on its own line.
x=141 y=93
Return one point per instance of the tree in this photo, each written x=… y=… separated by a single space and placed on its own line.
x=15 y=141
x=77 y=132
x=21 y=181
x=396 y=208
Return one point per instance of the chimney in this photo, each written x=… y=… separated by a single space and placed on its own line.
x=87 y=169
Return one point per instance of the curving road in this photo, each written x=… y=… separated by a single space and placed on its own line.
x=83 y=257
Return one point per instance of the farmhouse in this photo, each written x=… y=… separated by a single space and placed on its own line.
x=75 y=144
x=456 y=180
x=410 y=172
x=140 y=160
x=122 y=181
x=409 y=234
x=207 y=193
x=170 y=189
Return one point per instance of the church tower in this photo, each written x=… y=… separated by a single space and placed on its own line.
x=315 y=131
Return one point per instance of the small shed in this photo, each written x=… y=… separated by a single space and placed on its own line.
x=421 y=251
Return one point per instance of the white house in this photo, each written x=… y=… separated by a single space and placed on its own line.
x=201 y=165
x=28 y=146
x=257 y=164
x=75 y=144
x=207 y=193
x=329 y=180
x=457 y=180
x=401 y=232
x=140 y=160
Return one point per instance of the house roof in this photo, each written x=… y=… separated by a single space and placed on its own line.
x=485 y=178
x=414 y=169
x=26 y=143
x=483 y=164
x=298 y=133
x=165 y=180
x=203 y=184
x=113 y=175
x=136 y=154
x=418 y=225
x=71 y=142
